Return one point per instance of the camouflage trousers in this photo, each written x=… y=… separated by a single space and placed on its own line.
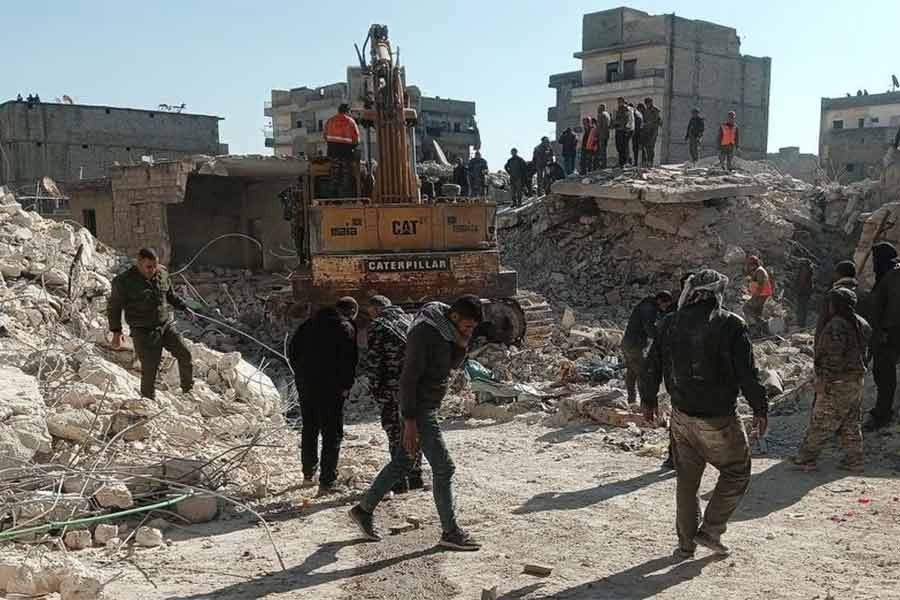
x=837 y=411
x=393 y=427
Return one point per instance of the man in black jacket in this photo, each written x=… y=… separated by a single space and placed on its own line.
x=323 y=355
x=704 y=354
x=436 y=344
x=884 y=317
x=569 y=143
x=518 y=176
x=640 y=331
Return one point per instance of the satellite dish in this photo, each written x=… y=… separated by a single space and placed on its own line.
x=51 y=188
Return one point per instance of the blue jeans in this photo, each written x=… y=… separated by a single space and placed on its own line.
x=432 y=443
x=569 y=163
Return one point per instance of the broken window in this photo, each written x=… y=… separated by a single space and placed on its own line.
x=630 y=69
x=849 y=167
x=874 y=120
x=612 y=72
x=838 y=124
x=89 y=217
x=861 y=122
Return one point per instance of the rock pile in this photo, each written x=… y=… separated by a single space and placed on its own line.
x=76 y=438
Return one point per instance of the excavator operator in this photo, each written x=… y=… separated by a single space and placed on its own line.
x=342 y=135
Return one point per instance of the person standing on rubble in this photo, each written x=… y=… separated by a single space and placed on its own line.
x=884 y=316
x=639 y=332
x=461 y=177
x=541 y=157
x=694 y=135
x=604 y=122
x=342 y=135
x=144 y=292
x=518 y=176
x=436 y=344
x=323 y=356
x=555 y=172
x=637 y=138
x=705 y=356
x=588 y=145
x=729 y=140
x=840 y=366
x=568 y=141
x=386 y=337
x=477 y=171
x=760 y=292
x=652 y=122
x=623 y=122
x=804 y=291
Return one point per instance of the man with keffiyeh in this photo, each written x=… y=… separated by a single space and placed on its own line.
x=704 y=354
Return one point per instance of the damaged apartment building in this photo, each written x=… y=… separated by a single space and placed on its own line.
x=299 y=115
x=855 y=132
x=70 y=142
x=681 y=64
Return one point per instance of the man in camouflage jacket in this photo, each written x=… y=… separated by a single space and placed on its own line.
x=840 y=366
x=384 y=361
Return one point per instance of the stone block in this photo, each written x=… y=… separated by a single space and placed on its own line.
x=199 y=508
x=148 y=537
x=77 y=540
x=105 y=532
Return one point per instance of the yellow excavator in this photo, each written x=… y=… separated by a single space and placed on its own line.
x=385 y=239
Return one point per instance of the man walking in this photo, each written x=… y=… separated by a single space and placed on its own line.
x=704 y=354
x=145 y=293
x=518 y=175
x=729 y=140
x=386 y=345
x=604 y=121
x=652 y=123
x=694 y=135
x=478 y=169
x=884 y=317
x=323 y=355
x=540 y=158
x=342 y=135
x=569 y=143
x=436 y=344
x=840 y=365
x=641 y=330
x=623 y=123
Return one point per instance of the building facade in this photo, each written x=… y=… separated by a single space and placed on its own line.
x=71 y=142
x=790 y=161
x=855 y=132
x=299 y=115
x=681 y=64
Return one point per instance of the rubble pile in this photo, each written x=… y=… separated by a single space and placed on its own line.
x=444 y=173
x=76 y=438
x=604 y=242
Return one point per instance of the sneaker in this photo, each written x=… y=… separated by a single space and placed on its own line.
x=416 y=482
x=717 y=547
x=401 y=487
x=459 y=540
x=308 y=482
x=682 y=554
x=329 y=489
x=365 y=522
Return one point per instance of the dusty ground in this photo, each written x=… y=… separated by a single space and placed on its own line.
x=603 y=519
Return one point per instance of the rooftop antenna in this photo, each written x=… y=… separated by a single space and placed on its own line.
x=895 y=83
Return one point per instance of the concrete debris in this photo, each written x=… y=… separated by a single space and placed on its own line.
x=489 y=593
x=105 y=532
x=114 y=494
x=78 y=540
x=198 y=509
x=148 y=537
x=48 y=574
x=537 y=570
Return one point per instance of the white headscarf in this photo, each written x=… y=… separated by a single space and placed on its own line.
x=700 y=286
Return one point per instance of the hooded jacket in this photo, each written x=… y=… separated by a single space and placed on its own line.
x=323 y=353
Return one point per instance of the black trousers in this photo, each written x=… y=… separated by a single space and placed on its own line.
x=884 y=370
x=623 y=143
x=322 y=415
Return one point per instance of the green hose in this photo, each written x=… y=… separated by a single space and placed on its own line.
x=8 y=535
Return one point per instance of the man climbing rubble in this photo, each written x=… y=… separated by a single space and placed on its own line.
x=639 y=332
x=760 y=289
x=342 y=135
x=840 y=366
x=436 y=344
x=145 y=293
x=884 y=317
x=518 y=176
x=729 y=140
x=323 y=356
x=704 y=354
x=386 y=337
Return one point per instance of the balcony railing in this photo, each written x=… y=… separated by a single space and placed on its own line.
x=637 y=74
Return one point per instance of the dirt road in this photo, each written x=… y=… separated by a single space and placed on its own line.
x=602 y=519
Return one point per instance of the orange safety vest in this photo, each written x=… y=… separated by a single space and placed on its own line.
x=341 y=129
x=728 y=134
x=591 y=144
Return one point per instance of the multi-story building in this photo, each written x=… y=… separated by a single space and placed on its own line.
x=681 y=64
x=855 y=132
x=299 y=115
x=70 y=142
x=790 y=161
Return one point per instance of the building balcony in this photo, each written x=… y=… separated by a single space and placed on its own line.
x=647 y=81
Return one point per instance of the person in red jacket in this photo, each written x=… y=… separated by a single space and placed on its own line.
x=729 y=139
x=342 y=135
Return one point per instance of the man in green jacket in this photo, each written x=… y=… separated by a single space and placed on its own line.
x=145 y=292
x=436 y=344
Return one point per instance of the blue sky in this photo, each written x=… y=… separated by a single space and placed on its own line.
x=223 y=57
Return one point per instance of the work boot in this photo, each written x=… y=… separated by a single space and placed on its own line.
x=668 y=464
x=716 y=546
x=873 y=424
x=365 y=522
x=416 y=482
x=329 y=489
x=682 y=554
x=401 y=487
x=459 y=540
